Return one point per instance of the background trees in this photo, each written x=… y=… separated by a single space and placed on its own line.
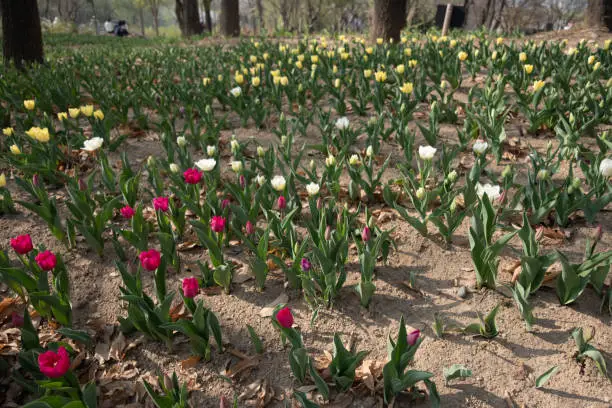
x=21 y=33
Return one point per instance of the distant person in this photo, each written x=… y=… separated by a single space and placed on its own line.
x=109 y=26
x=121 y=30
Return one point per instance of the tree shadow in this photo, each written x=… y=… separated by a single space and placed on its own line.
x=564 y=394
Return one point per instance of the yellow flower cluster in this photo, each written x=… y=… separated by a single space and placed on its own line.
x=40 y=134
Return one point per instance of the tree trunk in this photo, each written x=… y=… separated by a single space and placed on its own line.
x=178 y=10
x=155 y=13
x=22 y=37
x=141 y=18
x=230 y=18
x=207 y=15
x=599 y=13
x=193 y=25
x=260 y=15
x=389 y=18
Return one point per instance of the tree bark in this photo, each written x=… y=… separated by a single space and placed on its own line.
x=389 y=18
x=599 y=13
x=230 y=18
x=207 y=15
x=141 y=18
x=21 y=33
x=188 y=16
x=260 y=14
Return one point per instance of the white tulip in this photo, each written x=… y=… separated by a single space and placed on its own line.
x=605 y=168
x=492 y=191
x=369 y=151
x=206 y=164
x=260 y=151
x=174 y=168
x=261 y=179
x=236 y=166
x=278 y=183
x=480 y=146
x=354 y=160
x=236 y=92
x=330 y=161
x=342 y=123
x=93 y=144
x=211 y=150
x=427 y=152
x=313 y=189
x=181 y=141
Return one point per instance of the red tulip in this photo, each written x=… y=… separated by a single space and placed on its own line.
x=285 y=318
x=22 y=244
x=150 y=259
x=161 y=203
x=127 y=212
x=16 y=319
x=225 y=203
x=413 y=336
x=192 y=176
x=54 y=365
x=250 y=229
x=217 y=223
x=365 y=234
x=191 y=287
x=282 y=202
x=46 y=260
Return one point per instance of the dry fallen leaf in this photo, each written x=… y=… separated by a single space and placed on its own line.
x=190 y=362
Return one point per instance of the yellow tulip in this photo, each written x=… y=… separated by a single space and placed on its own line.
x=314 y=59
x=400 y=69
x=408 y=52
x=63 y=116
x=74 y=112
x=87 y=110
x=29 y=104
x=596 y=66
x=253 y=59
x=206 y=81
x=239 y=78
x=15 y=149
x=256 y=81
x=537 y=85
x=453 y=43
x=284 y=81
x=219 y=77
x=7 y=131
x=500 y=40
x=494 y=56
x=591 y=60
x=407 y=88
x=344 y=56
x=379 y=41
x=369 y=50
x=528 y=68
x=380 y=76
x=98 y=114
x=607 y=44
x=462 y=56
x=367 y=73
x=412 y=63
x=335 y=69
x=522 y=57
x=337 y=83
x=2 y=180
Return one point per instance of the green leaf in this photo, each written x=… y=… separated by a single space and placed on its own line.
x=77 y=335
x=303 y=400
x=456 y=371
x=257 y=344
x=597 y=357
x=543 y=379
x=322 y=386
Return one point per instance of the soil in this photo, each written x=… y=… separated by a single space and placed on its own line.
x=504 y=368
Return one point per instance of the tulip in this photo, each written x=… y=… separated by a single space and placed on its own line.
x=605 y=167
x=250 y=229
x=74 y=112
x=281 y=203
x=46 y=260
x=15 y=149
x=161 y=204
x=342 y=123
x=312 y=189
x=29 y=104
x=206 y=164
x=93 y=144
x=2 y=180
x=217 y=224
x=22 y=244
x=7 y=131
x=427 y=152
x=413 y=336
x=211 y=150
x=305 y=264
x=181 y=141
x=61 y=116
x=192 y=176
x=174 y=168
x=16 y=319
x=150 y=259
x=285 y=318
x=278 y=183
x=366 y=234
x=54 y=365
x=87 y=110
x=98 y=114
x=127 y=212
x=191 y=287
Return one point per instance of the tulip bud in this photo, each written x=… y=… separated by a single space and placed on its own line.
x=242 y=181
x=452 y=176
x=260 y=151
x=365 y=234
x=328 y=233
x=507 y=172
x=35 y=180
x=420 y=193
x=250 y=229
x=225 y=203
x=281 y=203
x=305 y=264
x=151 y=161
x=598 y=233
x=283 y=140
x=413 y=337
x=313 y=166
x=174 y=168
x=82 y=185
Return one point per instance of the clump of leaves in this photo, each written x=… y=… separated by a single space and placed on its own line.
x=456 y=371
x=172 y=395
x=344 y=364
x=586 y=350
x=486 y=327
